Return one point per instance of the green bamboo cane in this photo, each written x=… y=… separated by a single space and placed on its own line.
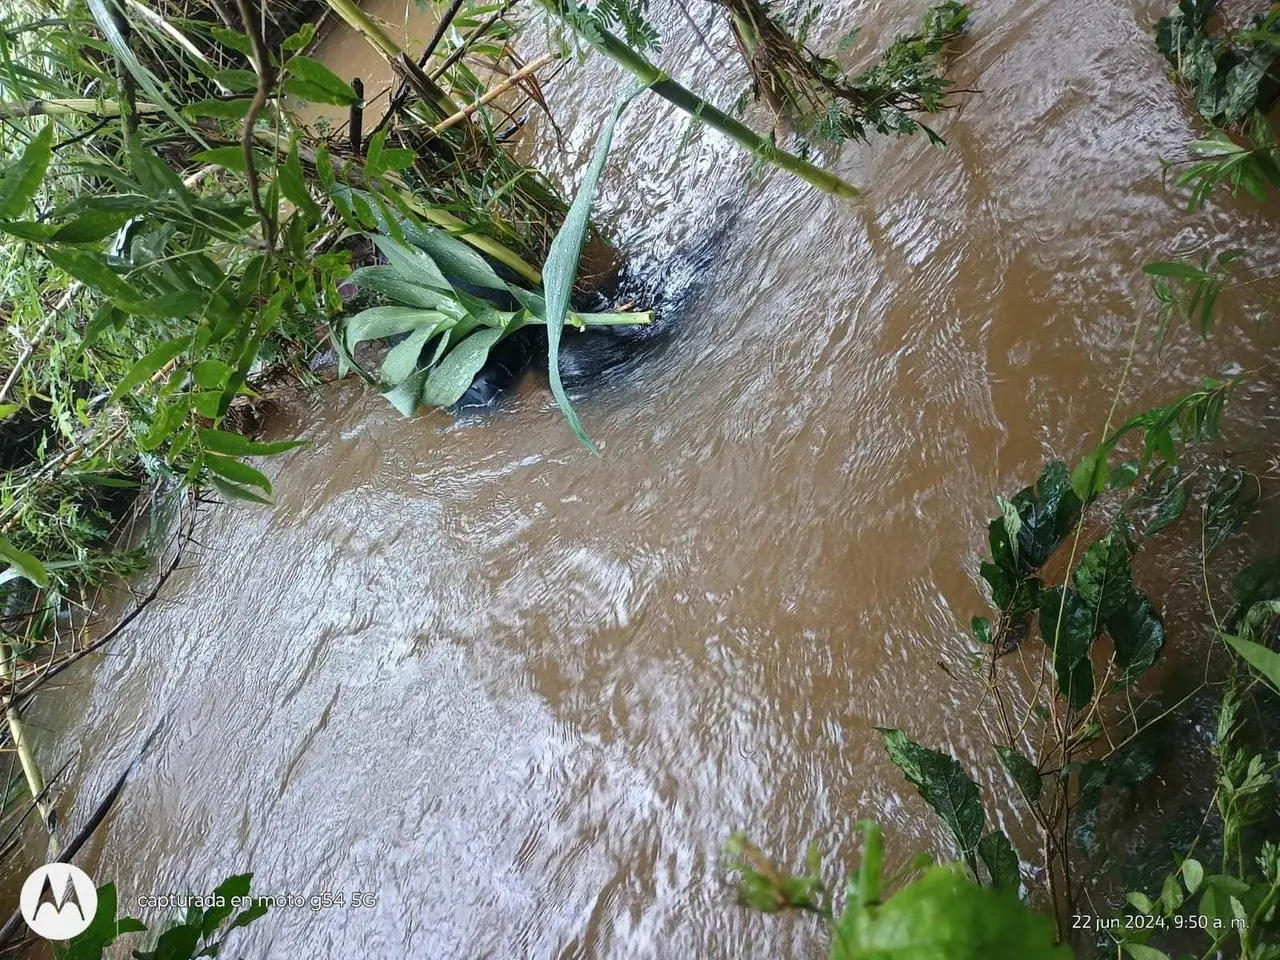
x=615 y=49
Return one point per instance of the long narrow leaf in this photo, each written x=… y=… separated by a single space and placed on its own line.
x=22 y=179
x=106 y=22
x=561 y=268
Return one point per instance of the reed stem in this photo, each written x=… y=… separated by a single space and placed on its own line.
x=615 y=49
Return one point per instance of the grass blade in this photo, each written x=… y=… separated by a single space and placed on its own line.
x=561 y=268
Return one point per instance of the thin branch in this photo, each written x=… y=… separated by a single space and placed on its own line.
x=266 y=80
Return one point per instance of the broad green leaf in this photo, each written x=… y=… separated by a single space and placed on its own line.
x=406 y=395
x=944 y=785
x=211 y=374
x=1123 y=475
x=234 y=445
x=23 y=178
x=452 y=256
x=1067 y=629
x=151 y=364
x=1089 y=478
x=402 y=359
x=1137 y=635
x=24 y=563
x=387 y=281
x=1025 y=775
x=1102 y=578
x=1262 y=659
x=1001 y=861
x=450 y=380
x=1140 y=901
x=1192 y=874
x=312 y=80
x=377 y=323
x=9 y=409
x=412 y=264
x=237 y=472
x=229 y=890
x=946 y=916
x=561 y=268
x=1169 y=494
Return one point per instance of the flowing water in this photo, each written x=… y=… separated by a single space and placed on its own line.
x=523 y=695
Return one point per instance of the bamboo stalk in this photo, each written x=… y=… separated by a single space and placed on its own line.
x=178 y=37
x=496 y=91
x=688 y=101
x=98 y=109
x=22 y=744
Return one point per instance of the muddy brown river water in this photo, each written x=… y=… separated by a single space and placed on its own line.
x=523 y=695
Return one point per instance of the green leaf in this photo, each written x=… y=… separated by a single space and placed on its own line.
x=150 y=365
x=387 y=281
x=230 y=889
x=1067 y=629
x=1001 y=861
x=92 y=270
x=402 y=359
x=1262 y=659
x=377 y=323
x=23 y=178
x=450 y=380
x=1025 y=775
x=1140 y=951
x=237 y=472
x=1140 y=901
x=1137 y=635
x=92 y=226
x=312 y=80
x=945 y=916
x=232 y=158
x=1192 y=874
x=1089 y=478
x=1102 y=578
x=234 y=445
x=24 y=563
x=561 y=268
x=1169 y=494
x=219 y=109
x=211 y=374
x=26 y=230
x=944 y=785
x=1173 y=268
x=1123 y=475
x=294 y=185
x=412 y=264
x=233 y=491
x=120 y=46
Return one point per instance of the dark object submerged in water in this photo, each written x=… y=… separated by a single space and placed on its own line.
x=589 y=356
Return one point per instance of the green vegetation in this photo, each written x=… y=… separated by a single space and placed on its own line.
x=174 y=241
x=202 y=931
x=1085 y=639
